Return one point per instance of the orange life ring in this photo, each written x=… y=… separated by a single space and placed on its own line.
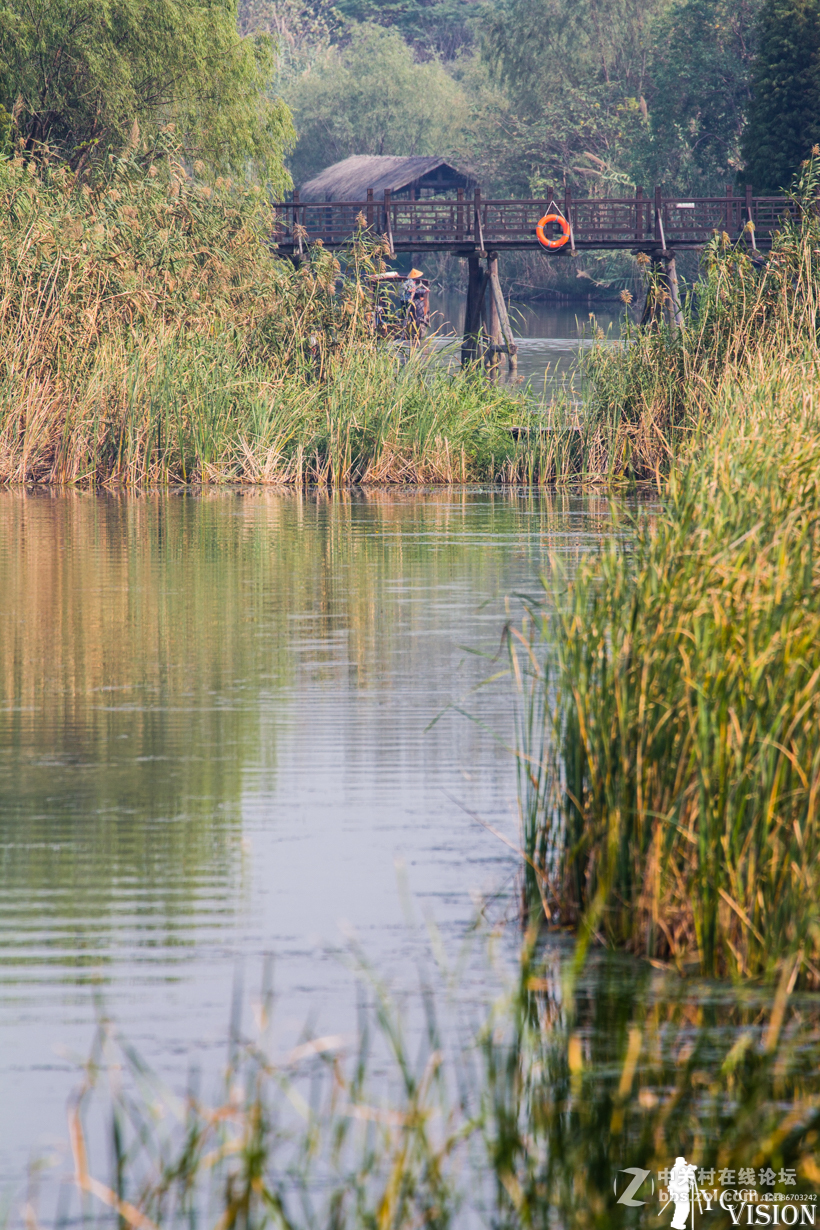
x=552 y=243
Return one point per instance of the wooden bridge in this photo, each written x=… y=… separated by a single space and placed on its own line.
x=474 y=225
x=477 y=229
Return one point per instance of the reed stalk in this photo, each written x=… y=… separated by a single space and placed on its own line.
x=678 y=698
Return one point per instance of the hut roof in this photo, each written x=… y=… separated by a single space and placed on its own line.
x=350 y=179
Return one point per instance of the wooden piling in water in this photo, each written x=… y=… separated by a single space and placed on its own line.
x=492 y=353
x=476 y=293
x=388 y=223
x=663 y=293
x=501 y=334
x=675 y=313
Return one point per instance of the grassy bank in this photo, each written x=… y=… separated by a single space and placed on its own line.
x=671 y=759
x=148 y=335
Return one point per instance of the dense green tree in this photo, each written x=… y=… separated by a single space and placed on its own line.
x=610 y=94
x=432 y=27
x=371 y=97
x=784 y=113
x=605 y=94
x=698 y=66
x=575 y=72
x=88 y=76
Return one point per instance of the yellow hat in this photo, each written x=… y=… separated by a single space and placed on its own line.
x=415 y=273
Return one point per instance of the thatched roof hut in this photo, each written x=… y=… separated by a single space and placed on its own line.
x=407 y=178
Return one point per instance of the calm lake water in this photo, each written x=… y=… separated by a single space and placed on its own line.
x=215 y=743
x=549 y=338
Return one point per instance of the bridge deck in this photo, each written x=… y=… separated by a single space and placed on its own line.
x=470 y=224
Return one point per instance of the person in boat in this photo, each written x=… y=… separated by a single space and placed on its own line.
x=415 y=297
x=412 y=285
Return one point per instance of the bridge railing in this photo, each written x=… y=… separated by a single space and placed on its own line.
x=769 y=213
x=338 y=221
x=478 y=223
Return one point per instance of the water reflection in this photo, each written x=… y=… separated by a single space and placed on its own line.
x=122 y=744
x=549 y=336
x=213 y=745
x=638 y=1067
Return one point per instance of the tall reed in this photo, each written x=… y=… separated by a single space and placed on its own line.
x=670 y=755
x=650 y=397
x=671 y=761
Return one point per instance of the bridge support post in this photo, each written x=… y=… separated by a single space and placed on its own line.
x=675 y=313
x=476 y=292
x=501 y=335
x=663 y=292
x=492 y=361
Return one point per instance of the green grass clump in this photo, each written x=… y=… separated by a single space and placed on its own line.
x=675 y=810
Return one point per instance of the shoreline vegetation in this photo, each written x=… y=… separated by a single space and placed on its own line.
x=149 y=337
x=669 y=750
x=668 y=747
x=672 y=768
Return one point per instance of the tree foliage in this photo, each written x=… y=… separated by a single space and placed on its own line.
x=699 y=89
x=576 y=76
x=88 y=76
x=605 y=95
x=613 y=93
x=784 y=115
x=432 y=27
x=371 y=97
